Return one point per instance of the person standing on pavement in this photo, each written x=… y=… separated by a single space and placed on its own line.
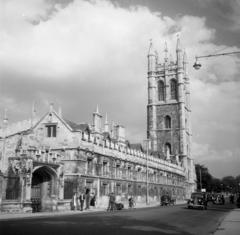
x=81 y=199
x=93 y=200
x=133 y=202
x=87 y=199
x=130 y=202
x=112 y=201
x=74 y=201
x=109 y=204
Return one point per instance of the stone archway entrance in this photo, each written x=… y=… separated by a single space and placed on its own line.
x=43 y=188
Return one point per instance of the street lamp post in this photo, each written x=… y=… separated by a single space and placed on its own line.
x=197 y=65
x=200 y=171
x=147 y=142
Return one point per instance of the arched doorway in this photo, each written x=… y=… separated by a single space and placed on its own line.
x=43 y=187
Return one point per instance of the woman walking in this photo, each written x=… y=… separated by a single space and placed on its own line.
x=74 y=201
x=93 y=201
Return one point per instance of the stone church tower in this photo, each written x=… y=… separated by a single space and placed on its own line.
x=169 y=110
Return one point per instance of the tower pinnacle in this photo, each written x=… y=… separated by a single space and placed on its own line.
x=151 y=58
x=165 y=52
x=179 y=54
x=151 y=49
x=33 y=110
x=5 y=120
x=106 y=129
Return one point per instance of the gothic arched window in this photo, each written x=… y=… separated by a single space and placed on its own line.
x=166 y=147
x=173 y=90
x=160 y=91
x=167 y=122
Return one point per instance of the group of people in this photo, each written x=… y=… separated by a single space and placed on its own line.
x=112 y=205
x=90 y=201
x=78 y=201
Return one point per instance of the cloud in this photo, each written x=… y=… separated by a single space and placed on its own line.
x=94 y=52
x=227 y=9
x=219 y=163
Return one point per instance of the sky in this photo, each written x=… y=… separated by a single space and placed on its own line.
x=83 y=54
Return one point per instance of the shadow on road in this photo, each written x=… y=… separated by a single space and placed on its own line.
x=90 y=224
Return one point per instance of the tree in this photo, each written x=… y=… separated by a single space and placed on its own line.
x=204 y=178
x=216 y=185
x=229 y=183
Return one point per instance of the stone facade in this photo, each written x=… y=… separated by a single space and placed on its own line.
x=169 y=124
x=43 y=161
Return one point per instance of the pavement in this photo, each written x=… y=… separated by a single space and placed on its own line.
x=229 y=226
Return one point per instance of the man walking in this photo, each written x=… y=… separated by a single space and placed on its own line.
x=81 y=199
x=87 y=198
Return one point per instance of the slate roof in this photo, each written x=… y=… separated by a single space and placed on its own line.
x=106 y=135
x=137 y=146
x=77 y=127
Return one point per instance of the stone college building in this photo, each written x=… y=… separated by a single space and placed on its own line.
x=43 y=161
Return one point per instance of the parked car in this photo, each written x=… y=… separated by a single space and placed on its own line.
x=167 y=200
x=198 y=200
x=219 y=199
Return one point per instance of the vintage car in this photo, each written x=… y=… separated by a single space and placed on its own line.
x=198 y=200
x=219 y=199
x=166 y=200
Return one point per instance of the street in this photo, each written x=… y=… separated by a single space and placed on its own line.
x=152 y=220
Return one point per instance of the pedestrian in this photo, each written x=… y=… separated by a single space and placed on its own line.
x=133 y=202
x=81 y=199
x=74 y=201
x=109 y=204
x=93 y=201
x=130 y=203
x=87 y=199
x=112 y=200
x=238 y=201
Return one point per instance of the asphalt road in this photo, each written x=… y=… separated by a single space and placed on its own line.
x=155 y=220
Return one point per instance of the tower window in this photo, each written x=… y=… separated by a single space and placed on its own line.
x=160 y=91
x=167 y=122
x=173 y=90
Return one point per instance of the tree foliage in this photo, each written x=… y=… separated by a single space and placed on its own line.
x=203 y=178
x=228 y=184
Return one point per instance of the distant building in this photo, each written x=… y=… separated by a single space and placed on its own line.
x=43 y=161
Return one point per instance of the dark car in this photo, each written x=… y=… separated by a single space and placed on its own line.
x=219 y=199
x=167 y=200
x=198 y=200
